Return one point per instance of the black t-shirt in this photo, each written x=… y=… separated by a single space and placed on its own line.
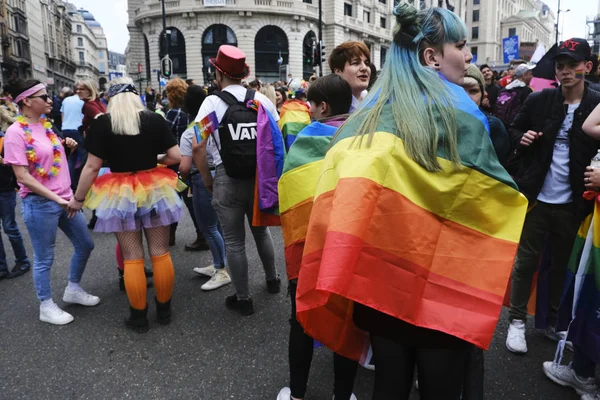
x=130 y=153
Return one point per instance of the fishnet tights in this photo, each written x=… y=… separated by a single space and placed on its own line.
x=132 y=245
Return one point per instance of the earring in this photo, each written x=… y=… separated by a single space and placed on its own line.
x=436 y=65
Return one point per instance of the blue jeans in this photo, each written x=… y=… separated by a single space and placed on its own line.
x=77 y=157
x=8 y=202
x=583 y=366
x=208 y=221
x=43 y=217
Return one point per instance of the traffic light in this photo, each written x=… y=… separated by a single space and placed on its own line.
x=308 y=54
x=322 y=52
x=166 y=67
x=316 y=55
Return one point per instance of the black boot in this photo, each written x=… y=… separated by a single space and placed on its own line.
x=121 y=281
x=163 y=312
x=138 y=320
x=199 y=245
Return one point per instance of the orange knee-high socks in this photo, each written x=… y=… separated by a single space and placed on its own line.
x=164 y=277
x=135 y=283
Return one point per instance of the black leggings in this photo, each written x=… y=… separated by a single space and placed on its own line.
x=441 y=371
x=300 y=357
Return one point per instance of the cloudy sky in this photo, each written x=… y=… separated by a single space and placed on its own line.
x=112 y=15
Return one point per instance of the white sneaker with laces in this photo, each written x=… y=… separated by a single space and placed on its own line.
x=206 y=271
x=52 y=314
x=80 y=297
x=565 y=376
x=515 y=340
x=284 y=394
x=220 y=278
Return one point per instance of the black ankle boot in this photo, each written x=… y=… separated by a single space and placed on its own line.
x=121 y=281
x=163 y=312
x=138 y=320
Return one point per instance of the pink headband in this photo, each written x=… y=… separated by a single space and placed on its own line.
x=30 y=91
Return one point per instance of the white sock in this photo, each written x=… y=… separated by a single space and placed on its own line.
x=72 y=286
x=46 y=303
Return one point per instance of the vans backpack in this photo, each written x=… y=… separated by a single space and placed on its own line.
x=237 y=134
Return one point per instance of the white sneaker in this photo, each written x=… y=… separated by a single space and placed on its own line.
x=284 y=394
x=591 y=396
x=565 y=376
x=206 y=271
x=80 y=297
x=220 y=278
x=352 y=397
x=52 y=314
x=515 y=340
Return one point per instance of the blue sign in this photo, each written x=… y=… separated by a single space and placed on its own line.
x=113 y=75
x=510 y=48
x=474 y=60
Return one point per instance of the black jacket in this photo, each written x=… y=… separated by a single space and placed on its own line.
x=545 y=112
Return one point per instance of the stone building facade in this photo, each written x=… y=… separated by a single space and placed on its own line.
x=57 y=44
x=89 y=46
x=489 y=21
x=266 y=30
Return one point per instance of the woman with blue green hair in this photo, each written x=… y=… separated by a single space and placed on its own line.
x=394 y=253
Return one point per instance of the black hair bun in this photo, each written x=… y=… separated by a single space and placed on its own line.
x=407 y=18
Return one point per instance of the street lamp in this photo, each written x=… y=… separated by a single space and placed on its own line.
x=557 y=19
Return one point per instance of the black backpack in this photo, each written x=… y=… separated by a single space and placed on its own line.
x=237 y=133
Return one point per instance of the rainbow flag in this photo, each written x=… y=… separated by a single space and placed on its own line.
x=206 y=126
x=270 y=155
x=581 y=295
x=433 y=249
x=297 y=187
x=294 y=116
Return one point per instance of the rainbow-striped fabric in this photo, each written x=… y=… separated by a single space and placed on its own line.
x=433 y=249
x=580 y=308
x=297 y=187
x=294 y=116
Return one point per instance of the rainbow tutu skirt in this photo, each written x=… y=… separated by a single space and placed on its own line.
x=130 y=201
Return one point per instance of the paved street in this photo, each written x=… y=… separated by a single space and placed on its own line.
x=206 y=353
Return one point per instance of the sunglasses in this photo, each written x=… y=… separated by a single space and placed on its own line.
x=44 y=97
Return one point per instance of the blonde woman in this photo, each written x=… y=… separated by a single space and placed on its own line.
x=137 y=196
x=92 y=106
x=269 y=91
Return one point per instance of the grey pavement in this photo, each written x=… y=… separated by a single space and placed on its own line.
x=207 y=352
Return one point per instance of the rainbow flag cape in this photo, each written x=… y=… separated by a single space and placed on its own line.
x=433 y=249
x=298 y=185
x=270 y=155
x=294 y=116
x=581 y=295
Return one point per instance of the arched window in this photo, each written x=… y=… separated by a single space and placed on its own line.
x=308 y=53
x=176 y=43
x=270 y=44
x=214 y=36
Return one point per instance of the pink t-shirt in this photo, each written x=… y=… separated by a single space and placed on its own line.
x=14 y=154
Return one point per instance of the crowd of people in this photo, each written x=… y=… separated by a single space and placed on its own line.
x=409 y=199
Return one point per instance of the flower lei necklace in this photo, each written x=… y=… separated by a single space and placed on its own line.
x=30 y=150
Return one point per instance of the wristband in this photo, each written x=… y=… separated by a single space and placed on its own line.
x=77 y=200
